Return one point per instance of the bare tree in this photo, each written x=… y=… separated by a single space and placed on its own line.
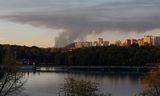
x=11 y=82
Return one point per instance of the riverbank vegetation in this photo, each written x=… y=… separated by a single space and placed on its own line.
x=109 y=56
x=36 y=54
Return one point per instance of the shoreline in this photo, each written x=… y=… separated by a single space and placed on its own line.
x=79 y=69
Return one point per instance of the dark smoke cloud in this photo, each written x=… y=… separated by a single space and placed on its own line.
x=126 y=16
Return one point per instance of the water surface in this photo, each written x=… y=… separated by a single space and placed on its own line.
x=49 y=83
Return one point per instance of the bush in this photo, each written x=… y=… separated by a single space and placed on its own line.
x=73 y=87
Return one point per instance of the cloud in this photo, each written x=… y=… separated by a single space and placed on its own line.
x=78 y=22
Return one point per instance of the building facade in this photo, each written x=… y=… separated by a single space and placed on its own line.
x=156 y=41
x=149 y=39
x=128 y=42
x=106 y=43
x=100 y=41
x=118 y=43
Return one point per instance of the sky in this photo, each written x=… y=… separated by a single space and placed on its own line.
x=56 y=23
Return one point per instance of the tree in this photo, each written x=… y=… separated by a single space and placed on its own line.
x=110 y=56
x=9 y=60
x=11 y=82
x=151 y=83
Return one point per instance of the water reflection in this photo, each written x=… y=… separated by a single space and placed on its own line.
x=49 y=84
x=151 y=83
x=75 y=87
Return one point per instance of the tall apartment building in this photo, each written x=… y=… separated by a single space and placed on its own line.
x=78 y=45
x=118 y=43
x=83 y=44
x=87 y=44
x=100 y=41
x=95 y=43
x=106 y=43
x=156 y=41
x=134 y=41
x=140 y=42
x=149 y=39
x=128 y=42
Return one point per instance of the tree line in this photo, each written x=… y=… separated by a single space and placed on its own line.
x=112 y=55
x=109 y=56
x=31 y=53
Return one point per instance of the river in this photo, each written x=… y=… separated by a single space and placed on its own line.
x=50 y=83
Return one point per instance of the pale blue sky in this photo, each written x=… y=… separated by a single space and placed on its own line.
x=46 y=23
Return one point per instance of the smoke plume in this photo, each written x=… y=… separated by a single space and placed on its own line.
x=130 y=16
